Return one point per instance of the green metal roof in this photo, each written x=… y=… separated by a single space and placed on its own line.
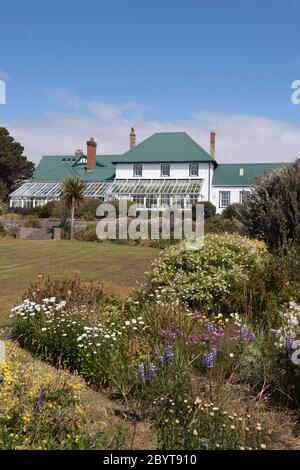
x=57 y=168
x=166 y=147
x=241 y=174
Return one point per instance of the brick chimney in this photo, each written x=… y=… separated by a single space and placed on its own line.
x=132 y=138
x=213 y=144
x=91 y=154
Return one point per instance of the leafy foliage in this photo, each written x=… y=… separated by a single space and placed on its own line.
x=272 y=210
x=14 y=166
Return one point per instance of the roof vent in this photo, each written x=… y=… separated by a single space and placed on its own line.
x=241 y=171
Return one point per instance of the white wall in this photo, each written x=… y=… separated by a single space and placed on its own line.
x=234 y=195
x=177 y=171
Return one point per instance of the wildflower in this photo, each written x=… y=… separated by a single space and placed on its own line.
x=39 y=401
x=141 y=373
x=195 y=432
x=208 y=360
x=157 y=355
x=263 y=446
x=231 y=355
x=244 y=333
x=252 y=337
x=151 y=371
x=289 y=342
x=169 y=354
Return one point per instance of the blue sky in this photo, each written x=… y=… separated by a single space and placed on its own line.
x=76 y=68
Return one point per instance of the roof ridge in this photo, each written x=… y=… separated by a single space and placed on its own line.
x=198 y=145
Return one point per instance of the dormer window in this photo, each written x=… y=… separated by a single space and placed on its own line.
x=194 y=169
x=165 y=170
x=137 y=169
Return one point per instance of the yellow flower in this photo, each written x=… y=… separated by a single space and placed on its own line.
x=195 y=432
x=263 y=446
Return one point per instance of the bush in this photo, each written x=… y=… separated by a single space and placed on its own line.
x=209 y=210
x=220 y=225
x=48 y=210
x=33 y=221
x=272 y=210
x=88 y=209
x=204 y=278
x=232 y=211
x=25 y=211
x=87 y=234
x=42 y=409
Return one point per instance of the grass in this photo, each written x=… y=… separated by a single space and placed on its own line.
x=21 y=261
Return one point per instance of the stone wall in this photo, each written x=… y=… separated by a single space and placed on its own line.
x=49 y=227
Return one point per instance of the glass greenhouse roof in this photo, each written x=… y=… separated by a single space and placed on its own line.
x=53 y=190
x=161 y=186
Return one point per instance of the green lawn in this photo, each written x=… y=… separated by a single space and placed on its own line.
x=21 y=260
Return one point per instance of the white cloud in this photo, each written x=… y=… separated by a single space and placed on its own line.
x=4 y=76
x=240 y=138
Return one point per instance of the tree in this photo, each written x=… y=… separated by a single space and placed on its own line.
x=271 y=212
x=14 y=166
x=3 y=190
x=72 y=193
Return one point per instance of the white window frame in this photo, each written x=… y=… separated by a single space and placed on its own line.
x=221 y=195
x=164 y=166
x=196 y=173
x=136 y=173
x=244 y=194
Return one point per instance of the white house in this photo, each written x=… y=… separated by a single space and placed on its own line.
x=167 y=169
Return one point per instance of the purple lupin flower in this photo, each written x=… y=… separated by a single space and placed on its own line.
x=289 y=342
x=39 y=401
x=158 y=355
x=196 y=315
x=141 y=373
x=208 y=360
x=244 y=333
x=151 y=371
x=169 y=355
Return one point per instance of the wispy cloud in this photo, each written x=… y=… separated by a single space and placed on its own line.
x=240 y=138
x=4 y=75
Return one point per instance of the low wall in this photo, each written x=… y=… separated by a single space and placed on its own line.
x=48 y=226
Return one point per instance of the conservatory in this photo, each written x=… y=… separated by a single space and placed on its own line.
x=147 y=194
x=35 y=194
x=159 y=193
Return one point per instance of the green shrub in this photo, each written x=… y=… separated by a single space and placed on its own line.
x=209 y=210
x=87 y=234
x=220 y=225
x=33 y=221
x=48 y=210
x=272 y=210
x=203 y=278
x=88 y=209
x=232 y=211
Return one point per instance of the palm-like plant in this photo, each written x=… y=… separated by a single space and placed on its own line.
x=72 y=193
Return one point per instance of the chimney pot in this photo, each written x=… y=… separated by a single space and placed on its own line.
x=132 y=138
x=91 y=154
x=213 y=144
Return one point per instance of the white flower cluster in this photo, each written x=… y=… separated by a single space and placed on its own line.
x=290 y=325
x=98 y=336
x=29 y=309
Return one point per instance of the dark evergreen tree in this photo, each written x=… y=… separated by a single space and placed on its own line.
x=14 y=166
